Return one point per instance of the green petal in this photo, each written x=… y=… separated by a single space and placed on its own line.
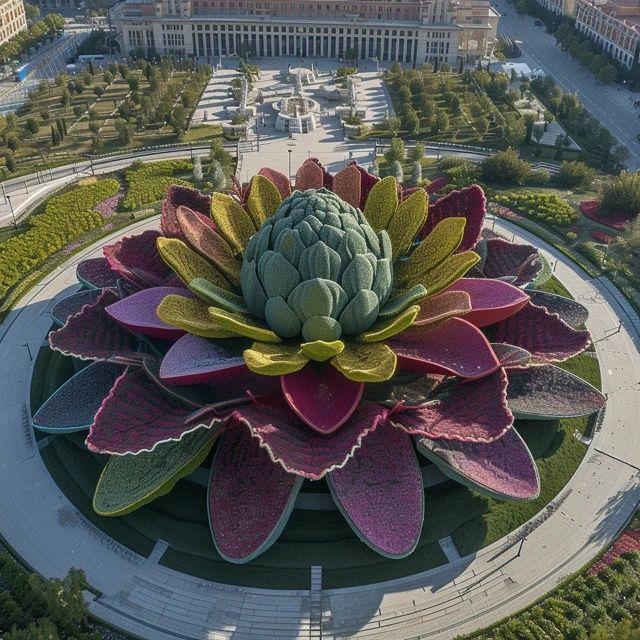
x=383 y=330
x=374 y=362
x=274 y=359
x=233 y=223
x=281 y=318
x=407 y=221
x=242 y=325
x=217 y=297
x=263 y=201
x=382 y=203
x=320 y=350
x=448 y=272
x=192 y=316
x=401 y=302
x=187 y=264
x=131 y=481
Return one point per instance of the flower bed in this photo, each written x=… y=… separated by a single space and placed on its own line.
x=545 y=207
x=627 y=542
x=149 y=182
x=108 y=206
x=602 y=236
x=590 y=209
x=502 y=211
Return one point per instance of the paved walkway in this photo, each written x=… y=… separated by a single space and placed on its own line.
x=152 y=601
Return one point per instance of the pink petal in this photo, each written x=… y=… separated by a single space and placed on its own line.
x=468 y=203
x=96 y=273
x=380 y=493
x=136 y=417
x=454 y=347
x=281 y=181
x=138 y=312
x=250 y=498
x=321 y=396
x=542 y=334
x=346 y=185
x=176 y=196
x=309 y=176
x=193 y=359
x=442 y=306
x=506 y=258
x=491 y=300
x=469 y=411
x=367 y=181
x=92 y=334
x=301 y=450
x=503 y=469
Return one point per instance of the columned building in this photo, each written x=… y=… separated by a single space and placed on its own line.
x=12 y=19
x=562 y=7
x=408 y=31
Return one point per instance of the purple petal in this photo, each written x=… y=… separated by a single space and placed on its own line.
x=250 y=498
x=321 y=396
x=504 y=258
x=542 y=334
x=380 y=493
x=491 y=300
x=281 y=181
x=73 y=304
x=193 y=359
x=181 y=196
x=550 y=392
x=96 y=273
x=137 y=312
x=136 y=259
x=502 y=469
x=468 y=203
x=301 y=450
x=572 y=312
x=73 y=406
x=454 y=347
x=136 y=417
x=93 y=335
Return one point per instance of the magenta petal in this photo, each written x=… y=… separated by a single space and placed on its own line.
x=250 y=498
x=281 y=181
x=491 y=300
x=504 y=258
x=542 y=334
x=469 y=411
x=181 y=196
x=468 y=203
x=137 y=312
x=193 y=359
x=96 y=273
x=380 y=493
x=137 y=260
x=136 y=416
x=321 y=396
x=454 y=347
x=301 y=450
x=93 y=335
x=502 y=469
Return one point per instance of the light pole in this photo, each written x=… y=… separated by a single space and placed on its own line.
x=13 y=215
x=290 y=151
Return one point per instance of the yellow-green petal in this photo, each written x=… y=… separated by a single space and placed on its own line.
x=217 y=297
x=191 y=315
x=408 y=219
x=243 y=325
x=393 y=326
x=233 y=223
x=274 y=359
x=320 y=350
x=381 y=203
x=264 y=199
x=402 y=301
x=374 y=362
x=448 y=272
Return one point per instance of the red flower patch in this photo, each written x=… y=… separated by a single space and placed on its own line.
x=628 y=541
x=616 y=221
x=602 y=236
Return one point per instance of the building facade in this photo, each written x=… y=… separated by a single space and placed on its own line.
x=12 y=19
x=408 y=31
x=562 y=7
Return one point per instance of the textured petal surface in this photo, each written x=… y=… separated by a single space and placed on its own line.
x=550 y=392
x=73 y=406
x=73 y=304
x=274 y=359
x=542 y=334
x=380 y=492
x=347 y=185
x=502 y=469
x=310 y=175
x=510 y=356
x=468 y=203
x=407 y=221
x=372 y=362
x=136 y=416
x=447 y=304
x=382 y=203
x=193 y=359
x=471 y=411
x=138 y=313
x=279 y=179
x=320 y=350
x=263 y=200
x=181 y=196
x=572 y=312
x=250 y=498
x=136 y=259
x=367 y=181
x=95 y=273
x=93 y=335
x=321 y=397
x=243 y=325
x=303 y=451
x=454 y=347
x=191 y=315
x=393 y=326
x=491 y=300
x=506 y=258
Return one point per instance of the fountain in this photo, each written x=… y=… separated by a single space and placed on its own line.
x=297 y=114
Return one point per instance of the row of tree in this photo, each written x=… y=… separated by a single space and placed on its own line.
x=35 y=34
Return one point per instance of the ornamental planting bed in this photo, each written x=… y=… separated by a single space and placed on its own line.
x=619 y=221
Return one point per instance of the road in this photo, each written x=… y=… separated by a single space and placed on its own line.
x=612 y=105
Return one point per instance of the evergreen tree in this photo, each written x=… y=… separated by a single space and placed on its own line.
x=218 y=179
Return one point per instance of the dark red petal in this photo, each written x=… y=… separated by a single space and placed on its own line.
x=96 y=273
x=572 y=312
x=73 y=304
x=178 y=195
x=367 y=181
x=505 y=258
x=281 y=181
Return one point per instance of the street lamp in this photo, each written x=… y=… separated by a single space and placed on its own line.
x=13 y=214
x=290 y=151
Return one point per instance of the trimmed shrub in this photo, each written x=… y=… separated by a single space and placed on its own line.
x=545 y=207
x=149 y=182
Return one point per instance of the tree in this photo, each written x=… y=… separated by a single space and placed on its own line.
x=416 y=174
x=559 y=148
x=548 y=119
x=505 y=167
x=107 y=76
x=65 y=98
x=134 y=85
x=218 y=180
x=197 y=169
x=32 y=126
x=94 y=127
x=31 y=11
x=55 y=140
x=396 y=171
x=10 y=161
x=219 y=154
x=619 y=155
x=575 y=174
x=393 y=124
x=124 y=133
x=538 y=133
x=529 y=122
x=13 y=143
x=395 y=152
x=417 y=153
x=441 y=122
x=621 y=194
x=98 y=91
x=123 y=70
x=608 y=74
x=412 y=122
x=97 y=145
x=482 y=125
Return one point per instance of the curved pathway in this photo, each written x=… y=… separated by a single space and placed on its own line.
x=151 y=601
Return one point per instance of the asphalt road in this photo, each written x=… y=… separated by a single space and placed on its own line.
x=612 y=105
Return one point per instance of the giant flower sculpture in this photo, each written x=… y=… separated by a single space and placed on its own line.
x=315 y=333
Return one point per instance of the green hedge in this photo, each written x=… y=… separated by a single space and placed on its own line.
x=546 y=207
x=149 y=182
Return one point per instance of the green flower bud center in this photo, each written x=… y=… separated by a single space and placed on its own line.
x=316 y=268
